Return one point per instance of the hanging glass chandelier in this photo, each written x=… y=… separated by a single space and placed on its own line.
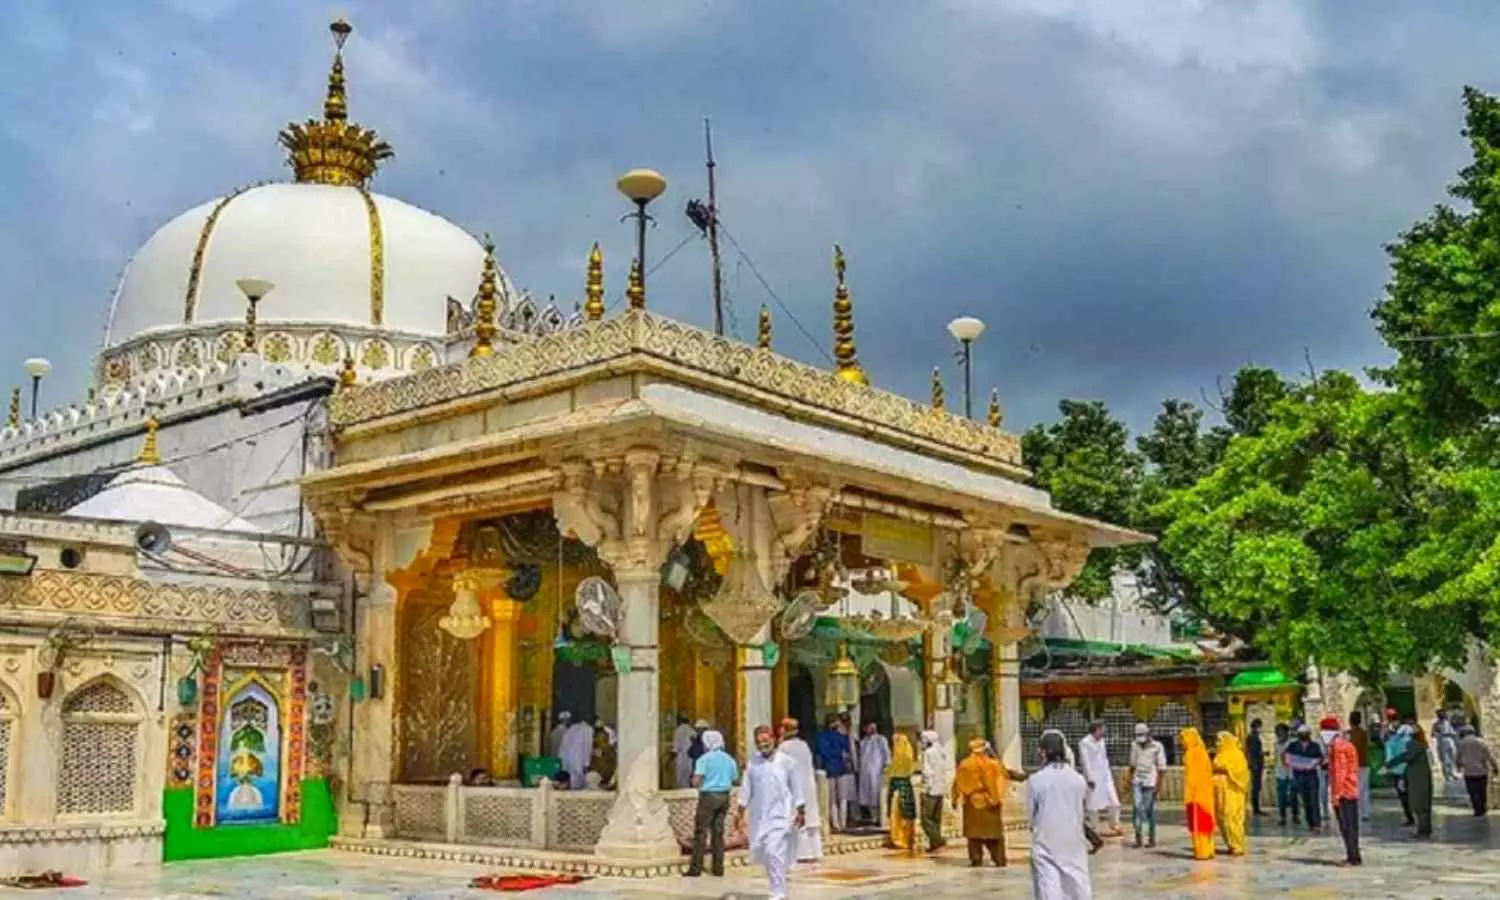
x=743 y=605
x=466 y=619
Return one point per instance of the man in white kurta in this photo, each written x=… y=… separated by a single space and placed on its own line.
x=577 y=750
x=1055 y=799
x=937 y=780
x=682 y=764
x=1093 y=757
x=810 y=833
x=772 y=794
x=874 y=756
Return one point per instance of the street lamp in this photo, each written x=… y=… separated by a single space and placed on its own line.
x=254 y=289
x=38 y=369
x=966 y=330
x=641 y=186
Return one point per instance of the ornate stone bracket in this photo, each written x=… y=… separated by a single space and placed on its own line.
x=352 y=534
x=796 y=515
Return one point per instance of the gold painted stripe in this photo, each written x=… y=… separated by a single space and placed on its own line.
x=377 y=261
x=190 y=302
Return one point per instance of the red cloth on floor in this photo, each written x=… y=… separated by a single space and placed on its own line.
x=514 y=884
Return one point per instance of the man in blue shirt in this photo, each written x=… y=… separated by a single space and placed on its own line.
x=713 y=775
x=836 y=758
x=1396 y=746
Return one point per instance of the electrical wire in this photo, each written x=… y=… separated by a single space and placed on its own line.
x=754 y=270
x=651 y=271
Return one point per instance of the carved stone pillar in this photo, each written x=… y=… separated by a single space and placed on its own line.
x=634 y=510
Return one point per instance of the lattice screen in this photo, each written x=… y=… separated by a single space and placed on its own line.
x=1166 y=726
x=100 y=751
x=7 y=737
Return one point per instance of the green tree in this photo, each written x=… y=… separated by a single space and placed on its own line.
x=1085 y=461
x=1441 y=309
x=1297 y=535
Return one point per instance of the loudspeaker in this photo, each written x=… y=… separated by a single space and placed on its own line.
x=152 y=537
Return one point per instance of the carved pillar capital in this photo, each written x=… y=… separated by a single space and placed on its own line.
x=797 y=514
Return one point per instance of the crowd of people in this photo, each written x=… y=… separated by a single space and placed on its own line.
x=1320 y=777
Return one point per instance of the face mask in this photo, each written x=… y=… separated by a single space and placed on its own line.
x=1143 y=740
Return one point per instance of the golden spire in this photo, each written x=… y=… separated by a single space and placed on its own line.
x=484 y=310
x=14 y=419
x=635 y=290
x=994 y=415
x=847 y=360
x=763 y=333
x=347 y=376
x=334 y=150
x=150 y=455
x=937 y=388
x=594 y=287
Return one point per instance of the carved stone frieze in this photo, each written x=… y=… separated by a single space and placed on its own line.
x=645 y=337
x=89 y=594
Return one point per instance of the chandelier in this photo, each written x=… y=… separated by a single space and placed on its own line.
x=466 y=619
x=742 y=605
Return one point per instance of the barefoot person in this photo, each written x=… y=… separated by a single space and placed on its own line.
x=1055 y=800
x=1198 y=793
x=1093 y=760
x=902 y=801
x=1231 y=788
x=979 y=788
x=772 y=794
x=810 y=831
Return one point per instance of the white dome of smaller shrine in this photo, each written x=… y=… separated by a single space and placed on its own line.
x=154 y=493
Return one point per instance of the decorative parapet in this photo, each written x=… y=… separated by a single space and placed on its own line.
x=195 y=605
x=169 y=394
x=643 y=335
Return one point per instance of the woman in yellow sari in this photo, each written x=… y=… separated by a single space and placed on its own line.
x=1231 y=788
x=1198 y=793
x=902 y=799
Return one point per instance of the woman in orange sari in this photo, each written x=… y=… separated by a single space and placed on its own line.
x=1198 y=793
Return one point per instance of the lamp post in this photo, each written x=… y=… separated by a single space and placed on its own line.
x=254 y=289
x=966 y=330
x=38 y=369
x=641 y=186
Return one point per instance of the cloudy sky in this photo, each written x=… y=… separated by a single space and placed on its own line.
x=1136 y=195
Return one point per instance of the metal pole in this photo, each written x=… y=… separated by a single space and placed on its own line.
x=36 y=388
x=968 y=394
x=640 y=238
x=713 y=231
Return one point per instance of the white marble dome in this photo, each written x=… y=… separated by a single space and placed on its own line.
x=314 y=243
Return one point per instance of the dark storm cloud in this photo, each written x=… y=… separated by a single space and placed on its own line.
x=1136 y=196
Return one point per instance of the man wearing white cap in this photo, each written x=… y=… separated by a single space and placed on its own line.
x=1148 y=759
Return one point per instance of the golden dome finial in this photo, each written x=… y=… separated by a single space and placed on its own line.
x=334 y=150
x=844 y=355
x=937 y=388
x=348 y=377
x=594 y=288
x=150 y=454
x=14 y=418
x=994 y=417
x=763 y=332
x=635 y=289
x=485 y=309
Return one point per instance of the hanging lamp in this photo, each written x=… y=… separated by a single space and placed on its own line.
x=743 y=605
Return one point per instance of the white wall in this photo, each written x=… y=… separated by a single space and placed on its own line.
x=1121 y=618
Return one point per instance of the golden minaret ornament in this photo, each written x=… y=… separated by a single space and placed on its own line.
x=937 y=388
x=485 y=309
x=348 y=377
x=848 y=367
x=593 y=308
x=150 y=454
x=763 y=332
x=994 y=417
x=334 y=150
x=635 y=288
x=14 y=419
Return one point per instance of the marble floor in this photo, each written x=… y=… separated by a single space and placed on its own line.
x=1461 y=862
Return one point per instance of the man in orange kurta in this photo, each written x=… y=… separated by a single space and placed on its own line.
x=979 y=787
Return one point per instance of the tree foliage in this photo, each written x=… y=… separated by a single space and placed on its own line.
x=1085 y=461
